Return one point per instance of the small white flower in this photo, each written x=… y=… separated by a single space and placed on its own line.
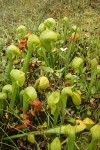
x=63 y=49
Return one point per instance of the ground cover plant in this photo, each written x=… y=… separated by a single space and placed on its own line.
x=50 y=84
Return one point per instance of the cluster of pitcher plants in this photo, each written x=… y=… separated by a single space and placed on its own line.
x=46 y=74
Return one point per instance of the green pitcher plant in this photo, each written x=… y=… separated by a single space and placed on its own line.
x=18 y=79
x=50 y=23
x=21 y=31
x=95 y=132
x=42 y=83
x=88 y=122
x=32 y=43
x=31 y=138
x=77 y=64
x=7 y=88
x=47 y=37
x=3 y=97
x=29 y=94
x=93 y=76
x=12 y=51
x=41 y=27
x=65 y=27
x=55 y=144
x=54 y=104
x=76 y=98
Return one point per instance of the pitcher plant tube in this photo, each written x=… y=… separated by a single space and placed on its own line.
x=29 y=94
x=50 y=23
x=3 y=97
x=67 y=91
x=78 y=66
x=75 y=96
x=55 y=144
x=42 y=83
x=65 y=26
x=93 y=76
x=54 y=104
x=18 y=79
x=12 y=51
x=88 y=122
x=47 y=38
x=21 y=31
x=8 y=90
x=95 y=132
x=32 y=43
x=70 y=131
x=41 y=27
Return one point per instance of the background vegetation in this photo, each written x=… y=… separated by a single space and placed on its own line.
x=83 y=13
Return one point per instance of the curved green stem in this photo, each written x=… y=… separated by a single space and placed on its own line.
x=56 y=130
